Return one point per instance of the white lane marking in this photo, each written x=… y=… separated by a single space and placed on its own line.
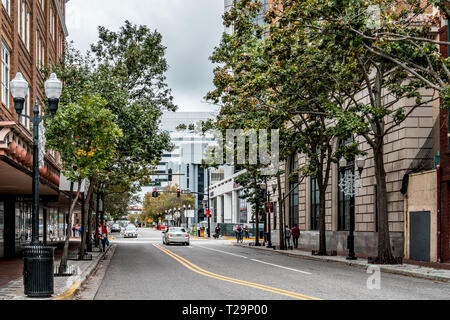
x=278 y=266
x=231 y=254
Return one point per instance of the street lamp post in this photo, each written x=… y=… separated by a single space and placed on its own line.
x=38 y=272
x=360 y=163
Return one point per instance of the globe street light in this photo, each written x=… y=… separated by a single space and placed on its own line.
x=38 y=277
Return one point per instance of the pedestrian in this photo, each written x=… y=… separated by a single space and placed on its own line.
x=239 y=233
x=73 y=231
x=217 y=234
x=246 y=232
x=295 y=235
x=103 y=232
x=287 y=236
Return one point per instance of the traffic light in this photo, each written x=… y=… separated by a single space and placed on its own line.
x=208 y=213
x=170 y=175
x=155 y=193
x=178 y=193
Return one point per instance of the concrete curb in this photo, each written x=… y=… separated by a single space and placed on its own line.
x=385 y=269
x=73 y=290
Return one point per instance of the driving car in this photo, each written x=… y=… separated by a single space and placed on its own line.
x=176 y=235
x=130 y=231
x=115 y=228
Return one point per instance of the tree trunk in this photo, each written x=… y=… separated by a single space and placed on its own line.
x=65 y=255
x=280 y=205
x=322 y=226
x=86 y=219
x=385 y=255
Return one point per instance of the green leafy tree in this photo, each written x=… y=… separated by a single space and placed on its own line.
x=155 y=208
x=285 y=80
x=85 y=149
x=393 y=54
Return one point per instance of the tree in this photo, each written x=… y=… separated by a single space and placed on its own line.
x=393 y=55
x=284 y=80
x=117 y=204
x=86 y=149
x=130 y=68
x=126 y=69
x=155 y=208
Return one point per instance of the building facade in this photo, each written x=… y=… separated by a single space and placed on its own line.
x=32 y=35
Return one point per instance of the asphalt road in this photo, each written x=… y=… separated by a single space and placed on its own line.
x=145 y=269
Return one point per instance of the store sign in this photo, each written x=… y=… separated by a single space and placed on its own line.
x=190 y=213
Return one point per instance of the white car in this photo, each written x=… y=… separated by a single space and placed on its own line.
x=130 y=231
x=176 y=235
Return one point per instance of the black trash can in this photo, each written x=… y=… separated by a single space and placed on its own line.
x=38 y=264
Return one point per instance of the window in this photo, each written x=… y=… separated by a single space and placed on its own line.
x=294 y=193
x=5 y=73
x=345 y=203
x=23 y=13
x=243 y=214
x=38 y=45
x=6 y=5
x=260 y=19
x=315 y=204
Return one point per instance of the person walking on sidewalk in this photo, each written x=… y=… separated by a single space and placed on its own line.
x=295 y=235
x=239 y=233
x=287 y=236
x=246 y=232
x=103 y=234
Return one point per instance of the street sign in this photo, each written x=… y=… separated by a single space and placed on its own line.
x=186 y=191
x=269 y=207
x=190 y=213
x=154 y=184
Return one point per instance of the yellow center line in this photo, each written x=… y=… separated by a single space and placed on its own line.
x=205 y=273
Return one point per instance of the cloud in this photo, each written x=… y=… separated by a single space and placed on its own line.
x=190 y=29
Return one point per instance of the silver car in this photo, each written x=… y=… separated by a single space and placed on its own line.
x=176 y=235
x=130 y=231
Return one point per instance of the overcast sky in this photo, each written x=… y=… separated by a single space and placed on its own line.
x=190 y=30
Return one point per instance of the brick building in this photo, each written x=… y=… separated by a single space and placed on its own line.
x=33 y=34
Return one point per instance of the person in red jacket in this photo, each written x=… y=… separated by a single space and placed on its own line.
x=295 y=235
x=103 y=234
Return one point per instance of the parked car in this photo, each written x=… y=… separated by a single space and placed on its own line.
x=116 y=228
x=176 y=235
x=130 y=231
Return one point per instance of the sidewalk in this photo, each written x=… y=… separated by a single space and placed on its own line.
x=410 y=270
x=65 y=287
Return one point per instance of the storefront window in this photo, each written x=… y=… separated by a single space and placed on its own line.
x=23 y=222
